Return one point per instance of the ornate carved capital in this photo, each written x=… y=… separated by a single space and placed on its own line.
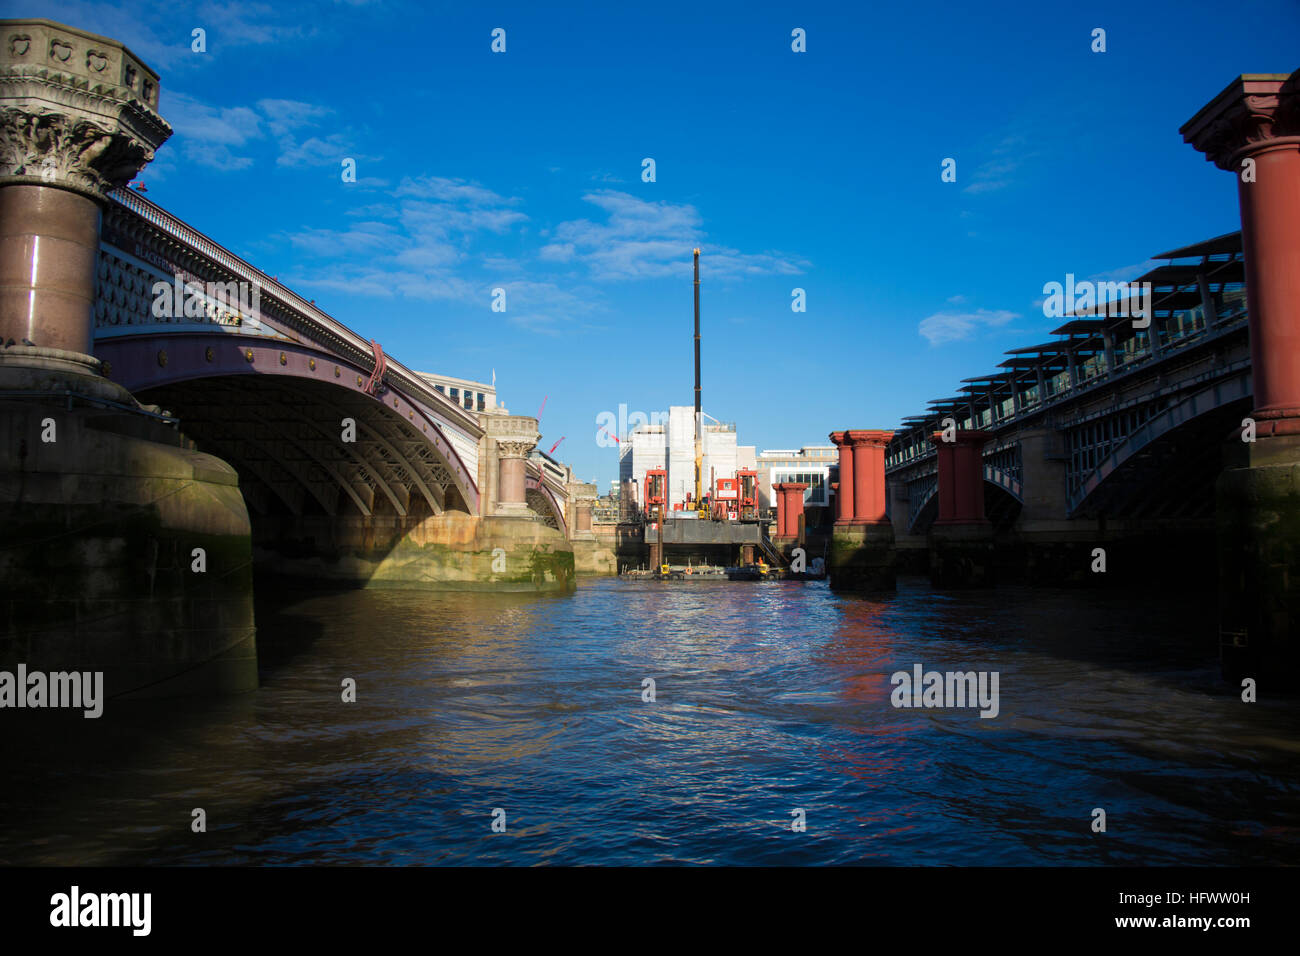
x=77 y=110
x=515 y=448
x=868 y=437
x=1254 y=112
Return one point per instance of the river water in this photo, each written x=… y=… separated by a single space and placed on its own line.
x=769 y=699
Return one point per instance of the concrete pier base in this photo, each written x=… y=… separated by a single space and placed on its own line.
x=962 y=555
x=1258 y=525
x=1061 y=558
x=102 y=513
x=863 y=558
x=593 y=557
x=450 y=551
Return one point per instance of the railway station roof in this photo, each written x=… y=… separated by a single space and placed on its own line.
x=1049 y=364
x=1227 y=244
x=1058 y=347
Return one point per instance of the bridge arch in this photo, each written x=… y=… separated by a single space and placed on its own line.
x=275 y=410
x=542 y=499
x=924 y=513
x=1210 y=411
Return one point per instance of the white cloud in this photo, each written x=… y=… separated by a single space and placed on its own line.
x=365 y=238
x=451 y=190
x=198 y=123
x=643 y=239
x=1005 y=159
x=314 y=151
x=285 y=115
x=944 y=327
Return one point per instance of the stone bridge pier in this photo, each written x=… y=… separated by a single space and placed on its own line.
x=513 y=544
x=1252 y=131
x=862 y=553
x=961 y=539
x=127 y=551
x=591 y=555
x=789 y=511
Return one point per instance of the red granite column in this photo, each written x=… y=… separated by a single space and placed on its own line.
x=1252 y=130
x=869 y=475
x=961 y=539
x=49 y=241
x=1258 y=118
x=790 y=508
x=961 y=477
x=512 y=481
x=844 y=506
x=796 y=491
x=862 y=558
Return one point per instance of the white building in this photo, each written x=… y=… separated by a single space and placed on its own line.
x=472 y=396
x=672 y=446
x=812 y=465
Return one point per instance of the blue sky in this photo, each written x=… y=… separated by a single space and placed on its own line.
x=817 y=170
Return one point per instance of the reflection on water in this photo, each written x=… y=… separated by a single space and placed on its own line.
x=769 y=698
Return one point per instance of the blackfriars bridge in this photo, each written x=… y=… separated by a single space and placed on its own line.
x=270 y=384
x=172 y=417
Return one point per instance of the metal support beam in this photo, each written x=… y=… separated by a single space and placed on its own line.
x=1207 y=301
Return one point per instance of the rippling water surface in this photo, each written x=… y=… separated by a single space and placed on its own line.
x=770 y=697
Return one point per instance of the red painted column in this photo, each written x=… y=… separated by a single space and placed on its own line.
x=869 y=475
x=790 y=508
x=961 y=477
x=1258 y=118
x=844 y=506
